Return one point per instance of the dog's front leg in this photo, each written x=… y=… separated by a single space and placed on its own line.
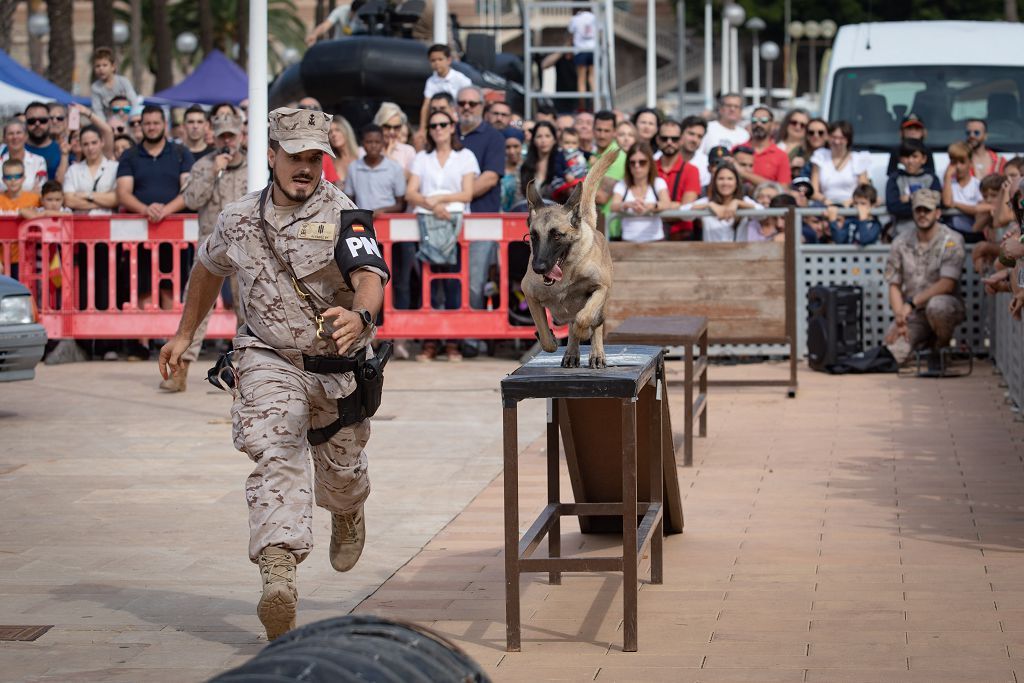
x=571 y=359
x=597 y=359
x=544 y=333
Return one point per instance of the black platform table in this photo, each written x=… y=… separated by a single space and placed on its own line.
x=634 y=376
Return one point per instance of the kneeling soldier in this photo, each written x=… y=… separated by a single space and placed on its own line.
x=304 y=257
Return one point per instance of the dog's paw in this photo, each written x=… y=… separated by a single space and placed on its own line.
x=571 y=359
x=551 y=344
x=597 y=360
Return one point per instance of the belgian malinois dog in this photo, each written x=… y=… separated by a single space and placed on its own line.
x=571 y=268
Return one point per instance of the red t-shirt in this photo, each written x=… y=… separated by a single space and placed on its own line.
x=772 y=163
x=681 y=178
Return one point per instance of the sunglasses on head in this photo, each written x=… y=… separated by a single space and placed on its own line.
x=440 y=124
x=37 y=121
x=469 y=103
x=670 y=138
x=121 y=110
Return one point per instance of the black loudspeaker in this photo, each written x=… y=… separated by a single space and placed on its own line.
x=834 y=328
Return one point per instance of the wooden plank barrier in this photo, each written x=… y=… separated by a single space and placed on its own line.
x=746 y=290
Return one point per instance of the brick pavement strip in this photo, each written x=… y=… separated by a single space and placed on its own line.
x=869 y=530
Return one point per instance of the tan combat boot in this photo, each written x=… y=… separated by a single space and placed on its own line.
x=177 y=381
x=280 y=596
x=348 y=534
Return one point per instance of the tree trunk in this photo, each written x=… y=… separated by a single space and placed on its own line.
x=62 y=42
x=136 y=44
x=7 y=8
x=1010 y=10
x=206 y=42
x=35 y=43
x=243 y=35
x=102 y=23
x=162 y=46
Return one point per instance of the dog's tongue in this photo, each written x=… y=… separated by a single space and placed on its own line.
x=555 y=273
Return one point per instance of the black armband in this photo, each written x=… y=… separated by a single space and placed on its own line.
x=357 y=244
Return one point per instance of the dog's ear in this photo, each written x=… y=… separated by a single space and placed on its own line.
x=533 y=197
x=572 y=205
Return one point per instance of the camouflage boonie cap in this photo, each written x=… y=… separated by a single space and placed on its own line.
x=930 y=199
x=299 y=130
x=226 y=123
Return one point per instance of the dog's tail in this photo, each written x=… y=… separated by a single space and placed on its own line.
x=587 y=210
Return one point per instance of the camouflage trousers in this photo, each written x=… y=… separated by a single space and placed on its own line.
x=932 y=327
x=275 y=405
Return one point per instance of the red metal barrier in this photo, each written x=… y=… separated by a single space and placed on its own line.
x=86 y=273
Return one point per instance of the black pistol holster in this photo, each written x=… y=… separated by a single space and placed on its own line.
x=364 y=401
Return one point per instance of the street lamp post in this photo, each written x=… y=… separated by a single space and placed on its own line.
x=769 y=52
x=812 y=30
x=733 y=16
x=186 y=43
x=709 y=58
x=755 y=25
x=794 y=30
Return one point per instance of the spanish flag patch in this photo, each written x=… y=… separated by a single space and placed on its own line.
x=358 y=228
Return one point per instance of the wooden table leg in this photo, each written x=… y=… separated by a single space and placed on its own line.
x=555 y=533
x=511 y=476
x=656 y=473
x=688 y=408
x=703 y=383
x=629 y=527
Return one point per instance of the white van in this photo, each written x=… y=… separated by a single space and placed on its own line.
x=944 y=71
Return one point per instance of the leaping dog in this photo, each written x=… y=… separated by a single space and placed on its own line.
x=571 y=268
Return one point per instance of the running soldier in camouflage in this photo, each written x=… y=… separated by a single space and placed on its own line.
x=923 y=272
x=281 y=243
x=215 y=181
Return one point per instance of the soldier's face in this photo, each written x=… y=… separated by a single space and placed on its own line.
x=296 y=175
x=925 y=218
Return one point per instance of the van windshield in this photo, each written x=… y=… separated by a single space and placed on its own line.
x=875 y=99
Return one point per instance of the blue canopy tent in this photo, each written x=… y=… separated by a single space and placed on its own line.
x=216 y=79
x=26 y=83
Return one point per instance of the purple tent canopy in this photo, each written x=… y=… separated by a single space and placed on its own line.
x=216 y=79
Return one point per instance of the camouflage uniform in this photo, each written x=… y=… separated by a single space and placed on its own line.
x=208 y=193
x=276 y=401
x=914 y=267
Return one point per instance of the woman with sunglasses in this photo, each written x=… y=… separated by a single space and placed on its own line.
x=392 y=121
x=441 y=188
x=792 y=134
x=725 y=198
x=343 y=142
x=836 y=170
x=542 y=157
x=641 y=195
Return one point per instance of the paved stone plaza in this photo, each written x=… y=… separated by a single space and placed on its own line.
x=870 y=530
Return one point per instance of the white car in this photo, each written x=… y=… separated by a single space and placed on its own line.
x=22 y=339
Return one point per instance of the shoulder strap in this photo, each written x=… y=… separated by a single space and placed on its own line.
x=675 y=183
x=303 y=293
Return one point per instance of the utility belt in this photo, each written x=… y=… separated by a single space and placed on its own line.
x=364 y=401
x=359 y=405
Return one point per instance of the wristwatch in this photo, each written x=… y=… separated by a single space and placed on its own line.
x=910 y=300
x=364 y=315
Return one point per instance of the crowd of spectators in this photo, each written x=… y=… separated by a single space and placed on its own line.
x=472 y=153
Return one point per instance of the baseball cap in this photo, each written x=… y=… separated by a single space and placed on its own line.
x=801 y=181
x=717 y=155
x=299 y=130
x=911 y=120
x=226 y=123
x=511 y=132
x=929 y=199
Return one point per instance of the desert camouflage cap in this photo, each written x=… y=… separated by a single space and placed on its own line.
x=299 y=130
x=929 y=199
x=227 y=123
